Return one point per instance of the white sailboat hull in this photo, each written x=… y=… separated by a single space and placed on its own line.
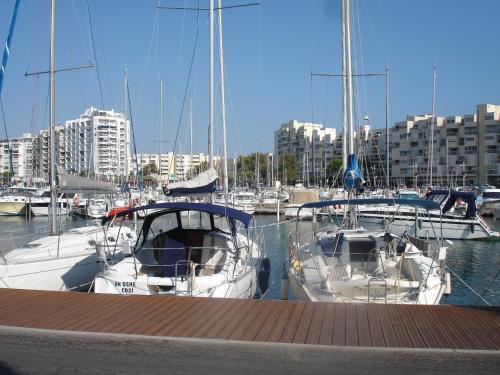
x=60 y=263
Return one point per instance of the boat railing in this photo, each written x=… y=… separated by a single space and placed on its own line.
x=11 y=240
x=235 y=253
x=377 y=279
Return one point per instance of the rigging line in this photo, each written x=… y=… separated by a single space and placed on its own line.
x=33 y=108
x=133 y=137
x=38 y=33
x=179 y=55
x=94 y=52
x=72 y=59
x=313 y=54
x=11 y=165
x=468 y=286
x=377 y=40
x=361 y=57
x=148 y=55
x=188 y=80
x=489 y=285
x=80 y=29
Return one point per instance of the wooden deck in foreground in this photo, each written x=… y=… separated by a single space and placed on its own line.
x=397 y=326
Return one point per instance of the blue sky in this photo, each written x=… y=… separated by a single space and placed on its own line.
x=269 y=51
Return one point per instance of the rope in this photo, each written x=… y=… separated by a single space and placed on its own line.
x=94 y=52
x=469 y=287
x=188 y=80
x=489 y=285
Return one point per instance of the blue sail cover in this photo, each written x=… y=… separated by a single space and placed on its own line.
x=203 y=184
x=352 y=175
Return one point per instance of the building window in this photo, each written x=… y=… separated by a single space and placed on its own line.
x=470 y=149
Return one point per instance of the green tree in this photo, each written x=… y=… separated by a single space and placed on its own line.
x=333 y=169
x=287 y=169
x=247 y=169
x=150 y=169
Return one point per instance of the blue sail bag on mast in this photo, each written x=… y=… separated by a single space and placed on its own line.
x=352 y=178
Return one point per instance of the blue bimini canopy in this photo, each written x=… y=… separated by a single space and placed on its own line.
x=214 y=209
x=468 y=197
x=423 y=203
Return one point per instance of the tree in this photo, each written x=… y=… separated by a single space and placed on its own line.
x=197 y=169
x=287 y=168
x=247 y=169
x=333 y=169
x=150 y=169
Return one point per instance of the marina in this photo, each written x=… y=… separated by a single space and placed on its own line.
x=475 y=262
x=366 y=241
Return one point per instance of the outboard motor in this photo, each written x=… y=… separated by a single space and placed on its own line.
x=263 y=275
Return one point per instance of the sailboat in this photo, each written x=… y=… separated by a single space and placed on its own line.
x=352 y=264
x=192 y=249
x=62 y=261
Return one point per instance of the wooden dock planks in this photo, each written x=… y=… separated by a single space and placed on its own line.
x=368 y=325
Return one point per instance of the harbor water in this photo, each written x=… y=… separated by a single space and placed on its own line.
x=474 y=265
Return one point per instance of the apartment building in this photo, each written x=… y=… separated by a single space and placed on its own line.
x=465 y=149
x=98 y=143
x=16 y=156
x=312 y=144
x=41 y=151
x=174 y=168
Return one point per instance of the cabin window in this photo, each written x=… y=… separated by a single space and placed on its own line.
x=195 y=220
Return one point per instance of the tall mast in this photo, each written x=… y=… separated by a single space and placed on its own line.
x=191 y=136
x=53 y=193
x=211 y=84
x=431 y=155
x=387 y=142
x=347 y=77
x=161 y=127
x=222 y=99
x=126 y=117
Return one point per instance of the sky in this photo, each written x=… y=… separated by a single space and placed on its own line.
x=270 y=51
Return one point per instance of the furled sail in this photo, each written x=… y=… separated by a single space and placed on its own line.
x=71 y=184
x=353 y=178
x=203 y=183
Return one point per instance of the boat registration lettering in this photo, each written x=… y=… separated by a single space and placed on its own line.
x=126 y=287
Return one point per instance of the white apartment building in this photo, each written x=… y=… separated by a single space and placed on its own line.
x=312 y=144
x=41 y=152
x=466 y=148
x=98 y=143
x=20 y=157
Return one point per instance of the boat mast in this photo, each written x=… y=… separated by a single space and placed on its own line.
x=222 y=99
x=161 y=129
x=191 y=136
x=432 y=123
x=211 y=84
x=347 y=77
x=387 y=142
x=347 y=95
x=53 y=193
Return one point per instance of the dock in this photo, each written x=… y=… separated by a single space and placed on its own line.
x=288 y=325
